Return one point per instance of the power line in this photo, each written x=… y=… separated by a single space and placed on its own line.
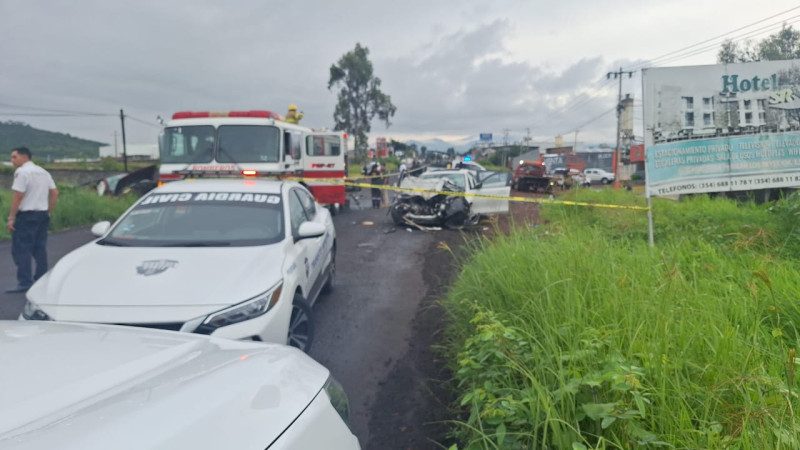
x=715 y=46
x=11 y=114
x=677 y=55
x=142 y=121
x=56 y=111
x=577 y=101
x=725 y=34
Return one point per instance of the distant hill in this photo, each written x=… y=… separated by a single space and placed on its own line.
x=440 y=145
x=45 y=144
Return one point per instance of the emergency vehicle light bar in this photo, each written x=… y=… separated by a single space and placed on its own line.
x=262 y=114
x=247 y=173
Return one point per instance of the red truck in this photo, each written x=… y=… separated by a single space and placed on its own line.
x=531 y=176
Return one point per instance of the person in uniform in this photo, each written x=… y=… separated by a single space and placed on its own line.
x=376 y=180
x=35 y=197
x=293 y=116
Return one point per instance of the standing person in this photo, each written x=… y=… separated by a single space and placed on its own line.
x=35 y=196
x=403 y=169
x=376 y=180
x=293 y=116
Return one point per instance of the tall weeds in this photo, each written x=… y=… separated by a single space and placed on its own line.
x=579 y=335
x=77 y=207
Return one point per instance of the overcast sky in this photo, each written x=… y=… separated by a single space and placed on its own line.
x=453 y=69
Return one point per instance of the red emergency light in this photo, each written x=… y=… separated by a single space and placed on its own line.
x=249 y=173
x=261 y=114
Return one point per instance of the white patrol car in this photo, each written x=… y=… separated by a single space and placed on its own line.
x=88 y=386
x=234 y=258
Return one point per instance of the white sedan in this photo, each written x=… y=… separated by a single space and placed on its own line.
x=79 y=386
x=493 y=184
x=240 y=259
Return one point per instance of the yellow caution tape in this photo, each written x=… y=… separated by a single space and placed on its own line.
x=339 y=181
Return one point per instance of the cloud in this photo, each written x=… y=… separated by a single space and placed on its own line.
x=459 y=69
x=465 y=84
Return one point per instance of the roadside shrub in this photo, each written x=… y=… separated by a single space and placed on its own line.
x=579 y=335
x=77 y=207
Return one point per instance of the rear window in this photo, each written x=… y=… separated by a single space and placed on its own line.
x=201 y=219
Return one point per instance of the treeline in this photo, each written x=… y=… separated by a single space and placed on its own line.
x=46 y=145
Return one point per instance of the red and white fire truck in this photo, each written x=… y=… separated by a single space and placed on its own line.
x=254 y=143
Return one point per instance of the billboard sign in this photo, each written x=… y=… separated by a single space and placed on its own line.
x=726 y=127
x=486 y=137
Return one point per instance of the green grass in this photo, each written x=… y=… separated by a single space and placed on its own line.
x=579 y=335
x=77 y=207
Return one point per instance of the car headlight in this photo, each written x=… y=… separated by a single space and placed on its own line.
x=31 y=311
x=338 y=398
x=249 y=309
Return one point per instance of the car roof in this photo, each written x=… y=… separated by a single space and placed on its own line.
x=100 y=386
x=260 y=185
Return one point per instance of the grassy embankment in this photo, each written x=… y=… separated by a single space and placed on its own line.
x=578 y=335
x=77 y=207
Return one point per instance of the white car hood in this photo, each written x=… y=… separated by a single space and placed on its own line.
x=100 y=275
x=99 y=387
x=427 y=184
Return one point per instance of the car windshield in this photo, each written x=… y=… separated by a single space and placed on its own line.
x=455 y=178
x=193 y=144
x=201 y=219
x=248 y=144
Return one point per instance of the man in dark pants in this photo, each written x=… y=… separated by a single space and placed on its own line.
x=377 y=180
x=35 y=196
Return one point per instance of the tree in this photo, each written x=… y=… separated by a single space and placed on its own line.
x=451 y=153
x=785 y=44
x=360 y=96
x=423 y=152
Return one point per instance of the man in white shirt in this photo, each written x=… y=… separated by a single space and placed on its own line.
x=403 y=172
x=35 y=196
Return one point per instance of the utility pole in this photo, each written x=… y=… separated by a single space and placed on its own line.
x=575 y=142
x=618 y=159
x=124 y=149
x=506 y=150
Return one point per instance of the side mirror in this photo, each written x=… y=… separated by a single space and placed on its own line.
x=100 y=228
x=310 y=230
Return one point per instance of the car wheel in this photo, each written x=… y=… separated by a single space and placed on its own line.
x=330 y=284
x=398 y=211
x=301 y=325
x=604 y=181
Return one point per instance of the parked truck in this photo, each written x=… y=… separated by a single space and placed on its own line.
x=531 y=176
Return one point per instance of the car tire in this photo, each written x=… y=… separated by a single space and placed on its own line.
x=330 y=283
x=397 y=211
x=604 y=181
x=301 y=325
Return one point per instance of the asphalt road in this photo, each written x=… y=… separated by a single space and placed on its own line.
x=374 y=332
